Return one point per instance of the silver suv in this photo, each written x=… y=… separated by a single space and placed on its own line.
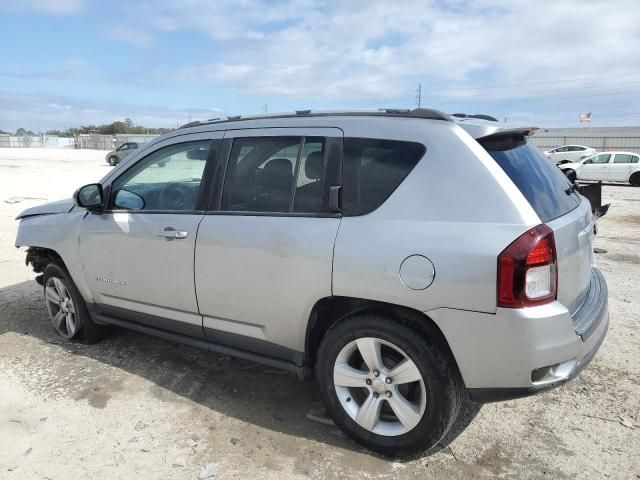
x=403 y=258
x=114 y=157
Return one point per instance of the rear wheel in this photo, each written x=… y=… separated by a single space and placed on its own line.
x=67 y=310
x=387 y=385
x=113 y=160
x=635 y=179
x=571 y=175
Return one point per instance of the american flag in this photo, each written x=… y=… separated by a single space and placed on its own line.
x=585 y=117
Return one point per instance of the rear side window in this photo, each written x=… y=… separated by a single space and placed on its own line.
x=624 y=158
x=542 y=183
x=372 y=169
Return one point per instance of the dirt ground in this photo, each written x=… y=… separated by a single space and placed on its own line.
x=135 y=406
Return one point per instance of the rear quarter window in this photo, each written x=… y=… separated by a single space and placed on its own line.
x=542 y=183
x=372 y=169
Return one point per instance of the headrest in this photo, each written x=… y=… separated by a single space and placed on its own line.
x=314 y=166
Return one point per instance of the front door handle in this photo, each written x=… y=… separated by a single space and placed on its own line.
x=171 y=233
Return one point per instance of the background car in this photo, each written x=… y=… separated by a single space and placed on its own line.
x=569 y=153
x=116 y=156
x=608 y=167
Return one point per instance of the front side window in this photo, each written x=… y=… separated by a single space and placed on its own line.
x=123 y=147
x=372 y=169
x=275 y=174
x=598 y=159
x=167 y=179
x=625 y=158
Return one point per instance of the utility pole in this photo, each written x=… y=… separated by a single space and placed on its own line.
x=419 y=95
x=265 y=108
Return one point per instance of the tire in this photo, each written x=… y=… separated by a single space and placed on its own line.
x=635 y=179
x=571 y=175
x=435 y=398
x=59 y=287
x=113 y=160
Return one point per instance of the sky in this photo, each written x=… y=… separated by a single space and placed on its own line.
x=65 y=63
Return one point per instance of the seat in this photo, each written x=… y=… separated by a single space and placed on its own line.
x=274 y=192
x=309 y=197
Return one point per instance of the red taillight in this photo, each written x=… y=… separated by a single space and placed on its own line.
x=527 y=270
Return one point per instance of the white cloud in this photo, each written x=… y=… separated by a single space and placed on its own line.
x=63 y=7
x=366 y=49
x=44 y=112
x=132 y=35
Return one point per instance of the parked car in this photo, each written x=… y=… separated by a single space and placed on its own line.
x=401 y=258
x=608 y=167
x=569 y=153
x=116 y=156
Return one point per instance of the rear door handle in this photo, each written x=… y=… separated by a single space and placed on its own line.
x=171 y=233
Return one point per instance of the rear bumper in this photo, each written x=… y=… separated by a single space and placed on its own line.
x=520 y=352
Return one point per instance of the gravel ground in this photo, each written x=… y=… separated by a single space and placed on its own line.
x=136 y=406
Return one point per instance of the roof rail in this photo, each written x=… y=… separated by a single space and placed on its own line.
x=479 y=116
x=425 y=113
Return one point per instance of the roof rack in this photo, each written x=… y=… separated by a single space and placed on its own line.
x=425 y=113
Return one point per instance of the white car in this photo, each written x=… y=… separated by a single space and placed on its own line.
x=608 y=167
x=569 y=153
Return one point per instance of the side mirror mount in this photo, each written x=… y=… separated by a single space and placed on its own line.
x=89 y=197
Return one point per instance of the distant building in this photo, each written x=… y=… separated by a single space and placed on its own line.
x=600 y=138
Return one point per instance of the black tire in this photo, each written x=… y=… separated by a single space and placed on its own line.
x=635 y=179
x=113 y=160
x=87 y=331
x=571 y=175
x=442 y=381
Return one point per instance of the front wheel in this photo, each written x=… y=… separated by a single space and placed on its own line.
x=113 y=160
x=67 y=311
x=387 y=385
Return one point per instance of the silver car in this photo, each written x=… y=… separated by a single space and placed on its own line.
x=116 y=156
x=402 y=258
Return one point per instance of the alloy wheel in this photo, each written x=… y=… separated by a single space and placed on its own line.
x=379 y=386
x=62 y=311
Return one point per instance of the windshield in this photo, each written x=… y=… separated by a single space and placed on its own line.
x=543 y=184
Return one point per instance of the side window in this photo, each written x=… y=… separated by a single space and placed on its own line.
x=600 y=159
x=275 y=174
x=372 y=169
x=562 y=149
x=133 y=146
x=167 y=179
x=122 y=147
x=624 y=158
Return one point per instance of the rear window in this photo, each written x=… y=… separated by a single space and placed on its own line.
x=542 y=183
x=372 y=169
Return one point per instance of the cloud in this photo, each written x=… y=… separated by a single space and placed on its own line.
x=133 y=35
x=60 y=7
x=338 y=50
x=55 y=112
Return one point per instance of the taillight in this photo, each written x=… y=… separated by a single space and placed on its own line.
x=527 y=270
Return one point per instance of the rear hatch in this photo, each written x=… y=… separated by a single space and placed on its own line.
x=557 y=204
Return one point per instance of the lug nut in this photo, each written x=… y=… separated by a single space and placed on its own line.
x=376 y=394
x=387 y=380
x=389 y=394
x=368 y=381
x=376 y=373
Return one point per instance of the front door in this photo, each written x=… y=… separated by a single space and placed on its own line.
x=264 y=254
x=595 y=168
x=138 y=254
x=622 y=166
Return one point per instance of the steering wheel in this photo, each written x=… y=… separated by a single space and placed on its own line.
x=176 y=196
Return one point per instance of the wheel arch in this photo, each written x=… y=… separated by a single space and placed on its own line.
x=329 y=311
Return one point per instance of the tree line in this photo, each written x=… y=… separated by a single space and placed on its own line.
x=126 y=127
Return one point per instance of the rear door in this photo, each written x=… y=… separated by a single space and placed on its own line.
x=595 y=168
x=265 y=249
x=622 y=166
